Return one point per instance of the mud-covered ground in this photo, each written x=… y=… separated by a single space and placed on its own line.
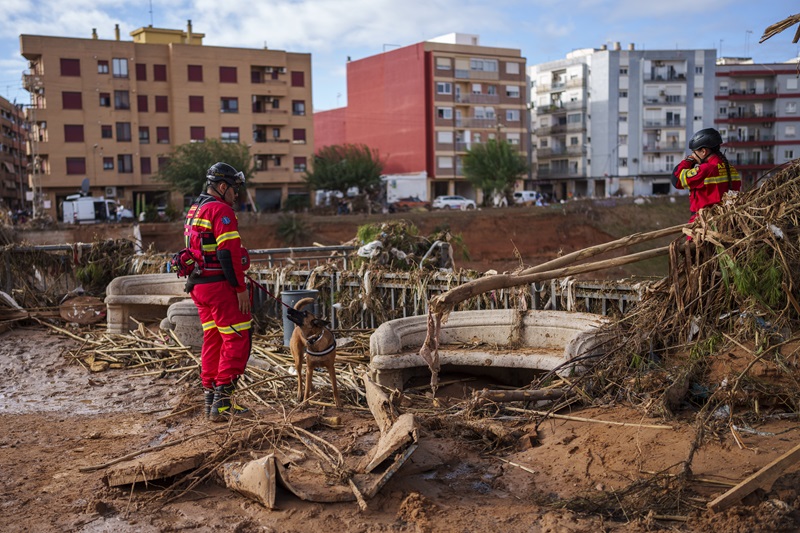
x=56 y=418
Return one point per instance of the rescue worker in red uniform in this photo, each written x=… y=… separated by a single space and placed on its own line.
x=217 y=287
x=706 y=172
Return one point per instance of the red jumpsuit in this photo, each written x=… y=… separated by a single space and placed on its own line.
x=706 y=182
x=211 y=232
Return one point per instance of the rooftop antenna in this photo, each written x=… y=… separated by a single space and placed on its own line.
x=151 y=13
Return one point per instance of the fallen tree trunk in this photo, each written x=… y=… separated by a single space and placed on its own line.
x=448 y=300
x=521 y=395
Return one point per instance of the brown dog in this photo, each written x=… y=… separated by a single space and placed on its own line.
x=313 y=339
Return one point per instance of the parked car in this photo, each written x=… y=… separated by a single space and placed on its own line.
x=453 y=202
x=409 y=203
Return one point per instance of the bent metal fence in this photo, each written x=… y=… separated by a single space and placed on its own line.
x=350 y=298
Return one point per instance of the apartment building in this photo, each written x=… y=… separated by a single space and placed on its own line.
x=13 y=160
x=608 y=121
x=425 y=105
x=757 y=114
x=111 y=111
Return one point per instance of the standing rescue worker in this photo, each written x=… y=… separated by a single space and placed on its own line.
x=217 y=286
x=705 y=172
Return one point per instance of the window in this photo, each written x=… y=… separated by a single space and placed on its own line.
x=698 y=94
x=444 y=112
x=276 y=133
x=512 y=68
x=230 y=135
x=71 y=100
x=299 y=136
x=122 y=100
x=144 y=135
x=299 y=164
x=790 y=131
x=159 y=73
x=119 y=67
x=623 y=118
x=492 y=90
x=144 y=164
x=141 y=103
x=108 y=163
x=445 y=162
x=162 y=163
x=298 y=107
x=543 y=143
x=623 y=71
x=623 y=161
x=622 y=140
x=574 y=118
x=623 y=94
x=195 y=72
x=196 y=104
x=485 y=65
x=512 y=115
x=573 y=141
x=229 y=104
x=723 y=110
x=227 y=74
x=788 y=154
x=476 y=137
x=698 y=70
x=476 y=88
x=443 y=63
x=298 y=79
x=443 y=87
x=162 y=135
x=106 y=131
x=276 y=161
x=162 y=104
x=444 y=137
x=105 y=100
x=512 y=91
x=791 y=107
x=102 y=66
x=76 y=165
x=791 y=83
x=125 y=163
x=73 y=133
x=197 y=133
x=512 y=138
x=698 y=117
x=141 y=72
x=70 y=67
x=123 y=131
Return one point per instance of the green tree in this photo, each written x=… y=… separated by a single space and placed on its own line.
x=494 y=167
x=188 y=163
x=340 y=167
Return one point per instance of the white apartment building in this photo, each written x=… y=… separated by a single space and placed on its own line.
x=615 y=122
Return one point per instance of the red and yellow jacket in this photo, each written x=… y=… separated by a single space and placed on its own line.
x=706 y=182
x=211 y=231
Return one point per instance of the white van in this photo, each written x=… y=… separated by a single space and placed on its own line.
x=526 y=197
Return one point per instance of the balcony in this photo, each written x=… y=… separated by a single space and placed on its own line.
x=667 y=77
x=748 y=116
x=665 y=100
x=560 y=152
x=657 y=168
x=560 y=172
x=750 y=140
x=560 y=108
x=476 y=75
x=476 y=122
x=768 y=93
x=478 y=99
x=663 y=147
x=752 y=163
x=654 y=124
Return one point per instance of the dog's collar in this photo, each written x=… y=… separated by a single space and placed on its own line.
x=314 y=339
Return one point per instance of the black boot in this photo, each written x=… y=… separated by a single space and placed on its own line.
x=208 y=401
x=223 y=406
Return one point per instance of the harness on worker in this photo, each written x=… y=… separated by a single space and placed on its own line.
x=185 y=263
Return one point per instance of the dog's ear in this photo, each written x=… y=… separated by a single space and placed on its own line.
x=320 y=323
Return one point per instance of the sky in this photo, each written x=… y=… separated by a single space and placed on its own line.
x=333 y=30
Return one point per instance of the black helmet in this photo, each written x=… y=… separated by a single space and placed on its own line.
x=707 y=138
x=224 y=172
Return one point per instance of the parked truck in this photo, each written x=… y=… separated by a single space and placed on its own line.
x=78 y=209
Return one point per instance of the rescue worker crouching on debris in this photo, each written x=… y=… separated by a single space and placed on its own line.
x=706 y=172
x=217 y=287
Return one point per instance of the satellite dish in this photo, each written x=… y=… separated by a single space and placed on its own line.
x=85 y=187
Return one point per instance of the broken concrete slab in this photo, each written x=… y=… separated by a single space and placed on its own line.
x=404 y=431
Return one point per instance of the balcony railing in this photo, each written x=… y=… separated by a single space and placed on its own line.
x=665 y=100
x=674 y=123
x=478 y=99
x=476 y=122
x=657 y=168
x=663 y=147
x=677 y=76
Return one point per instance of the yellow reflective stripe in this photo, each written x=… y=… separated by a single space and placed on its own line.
x=227 y=236
x=209 y=325
x=685 y=175
x=209 y=247
x=233 y=329
x=203 y=223
x=712 y=180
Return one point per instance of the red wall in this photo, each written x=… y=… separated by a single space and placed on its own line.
x=386 y=107
x=329 y=128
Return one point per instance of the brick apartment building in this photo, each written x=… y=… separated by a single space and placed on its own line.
x=13 y=161
x=424 y=105
x=757 y=114
x=112 y=110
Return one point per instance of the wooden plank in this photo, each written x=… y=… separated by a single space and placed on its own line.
x=763 y=479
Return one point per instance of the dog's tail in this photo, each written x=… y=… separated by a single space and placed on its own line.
x=303 y=302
